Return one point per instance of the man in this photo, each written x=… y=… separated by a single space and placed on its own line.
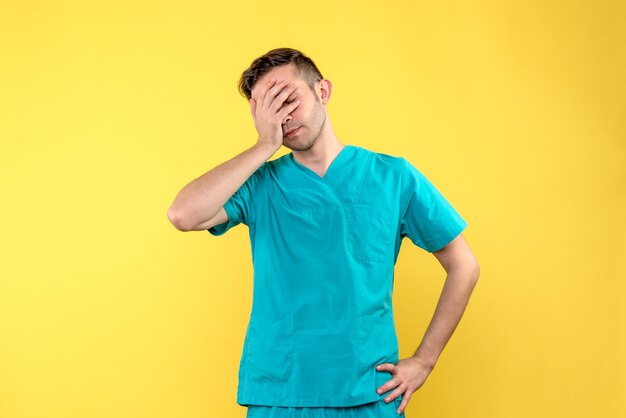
x=326 y=222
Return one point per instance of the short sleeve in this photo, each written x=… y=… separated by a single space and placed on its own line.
x=426 y=217
x=240 y=206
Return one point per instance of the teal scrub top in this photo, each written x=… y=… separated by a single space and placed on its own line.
x=323 y=254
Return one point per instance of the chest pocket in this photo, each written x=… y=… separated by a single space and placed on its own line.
x=369 y=233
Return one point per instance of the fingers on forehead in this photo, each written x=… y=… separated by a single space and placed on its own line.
x=261 y=86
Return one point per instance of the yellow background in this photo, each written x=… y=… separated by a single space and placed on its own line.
x=515 y=110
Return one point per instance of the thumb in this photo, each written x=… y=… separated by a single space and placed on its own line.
x=385 y=367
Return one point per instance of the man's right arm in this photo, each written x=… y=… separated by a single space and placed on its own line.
x=200 y=204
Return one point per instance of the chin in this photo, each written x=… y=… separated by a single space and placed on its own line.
x=295 y=148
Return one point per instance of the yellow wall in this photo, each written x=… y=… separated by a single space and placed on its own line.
x=516 y=111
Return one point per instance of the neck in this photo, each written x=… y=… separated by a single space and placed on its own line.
x=322 y=152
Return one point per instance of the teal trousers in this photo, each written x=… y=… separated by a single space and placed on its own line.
x=379 y=409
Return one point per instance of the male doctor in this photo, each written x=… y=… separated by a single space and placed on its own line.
x=326 y=223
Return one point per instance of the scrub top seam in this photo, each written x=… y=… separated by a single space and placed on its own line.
x=362 y=180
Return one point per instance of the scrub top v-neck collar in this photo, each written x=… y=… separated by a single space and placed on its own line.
x=334 y=168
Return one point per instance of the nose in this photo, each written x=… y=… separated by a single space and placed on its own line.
x=287 y=119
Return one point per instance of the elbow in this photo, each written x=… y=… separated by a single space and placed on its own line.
x=177 y=219
x=475 y=271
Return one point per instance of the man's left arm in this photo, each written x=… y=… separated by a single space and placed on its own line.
x=462 y=271
x=462 y=274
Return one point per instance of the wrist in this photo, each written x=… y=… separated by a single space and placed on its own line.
x=266 y=148
x=426 y=360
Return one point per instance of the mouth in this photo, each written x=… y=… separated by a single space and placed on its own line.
x=292 y=132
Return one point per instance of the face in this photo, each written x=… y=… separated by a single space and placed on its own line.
x=309 y=116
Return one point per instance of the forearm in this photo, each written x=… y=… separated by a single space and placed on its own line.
x=454 y=297
x=203 y=197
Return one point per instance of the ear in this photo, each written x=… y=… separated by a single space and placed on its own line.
x=325 y=89
x=252 y=107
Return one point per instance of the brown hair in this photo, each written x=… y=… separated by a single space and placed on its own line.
x=305 y=67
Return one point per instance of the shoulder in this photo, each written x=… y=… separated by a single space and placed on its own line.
x=391 y=164
x=277 y=166
x=383 y=160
